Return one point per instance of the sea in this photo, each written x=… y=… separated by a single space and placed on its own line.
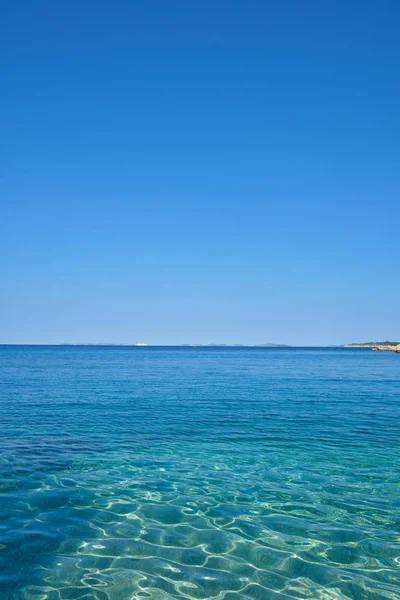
x=134 y=473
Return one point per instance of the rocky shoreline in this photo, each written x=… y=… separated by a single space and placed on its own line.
x=387 y=348
x=377 y=346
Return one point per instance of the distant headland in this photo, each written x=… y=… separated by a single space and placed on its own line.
x=371 y=344
x=377 y=346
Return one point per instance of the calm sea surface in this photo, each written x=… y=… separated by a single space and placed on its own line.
x=207 y=473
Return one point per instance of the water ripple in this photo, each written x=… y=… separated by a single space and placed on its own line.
x=223 y=475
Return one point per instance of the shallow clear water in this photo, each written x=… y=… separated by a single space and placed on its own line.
x=161 y=473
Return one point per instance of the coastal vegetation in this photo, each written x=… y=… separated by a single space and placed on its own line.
x=371 y=344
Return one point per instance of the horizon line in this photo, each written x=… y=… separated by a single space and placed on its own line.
x=183 y=345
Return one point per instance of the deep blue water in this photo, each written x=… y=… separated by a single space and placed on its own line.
x=163 y=473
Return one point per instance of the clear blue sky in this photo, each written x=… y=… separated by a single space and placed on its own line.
x=197 y=171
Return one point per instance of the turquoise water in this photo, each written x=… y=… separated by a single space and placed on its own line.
x=162 y=473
